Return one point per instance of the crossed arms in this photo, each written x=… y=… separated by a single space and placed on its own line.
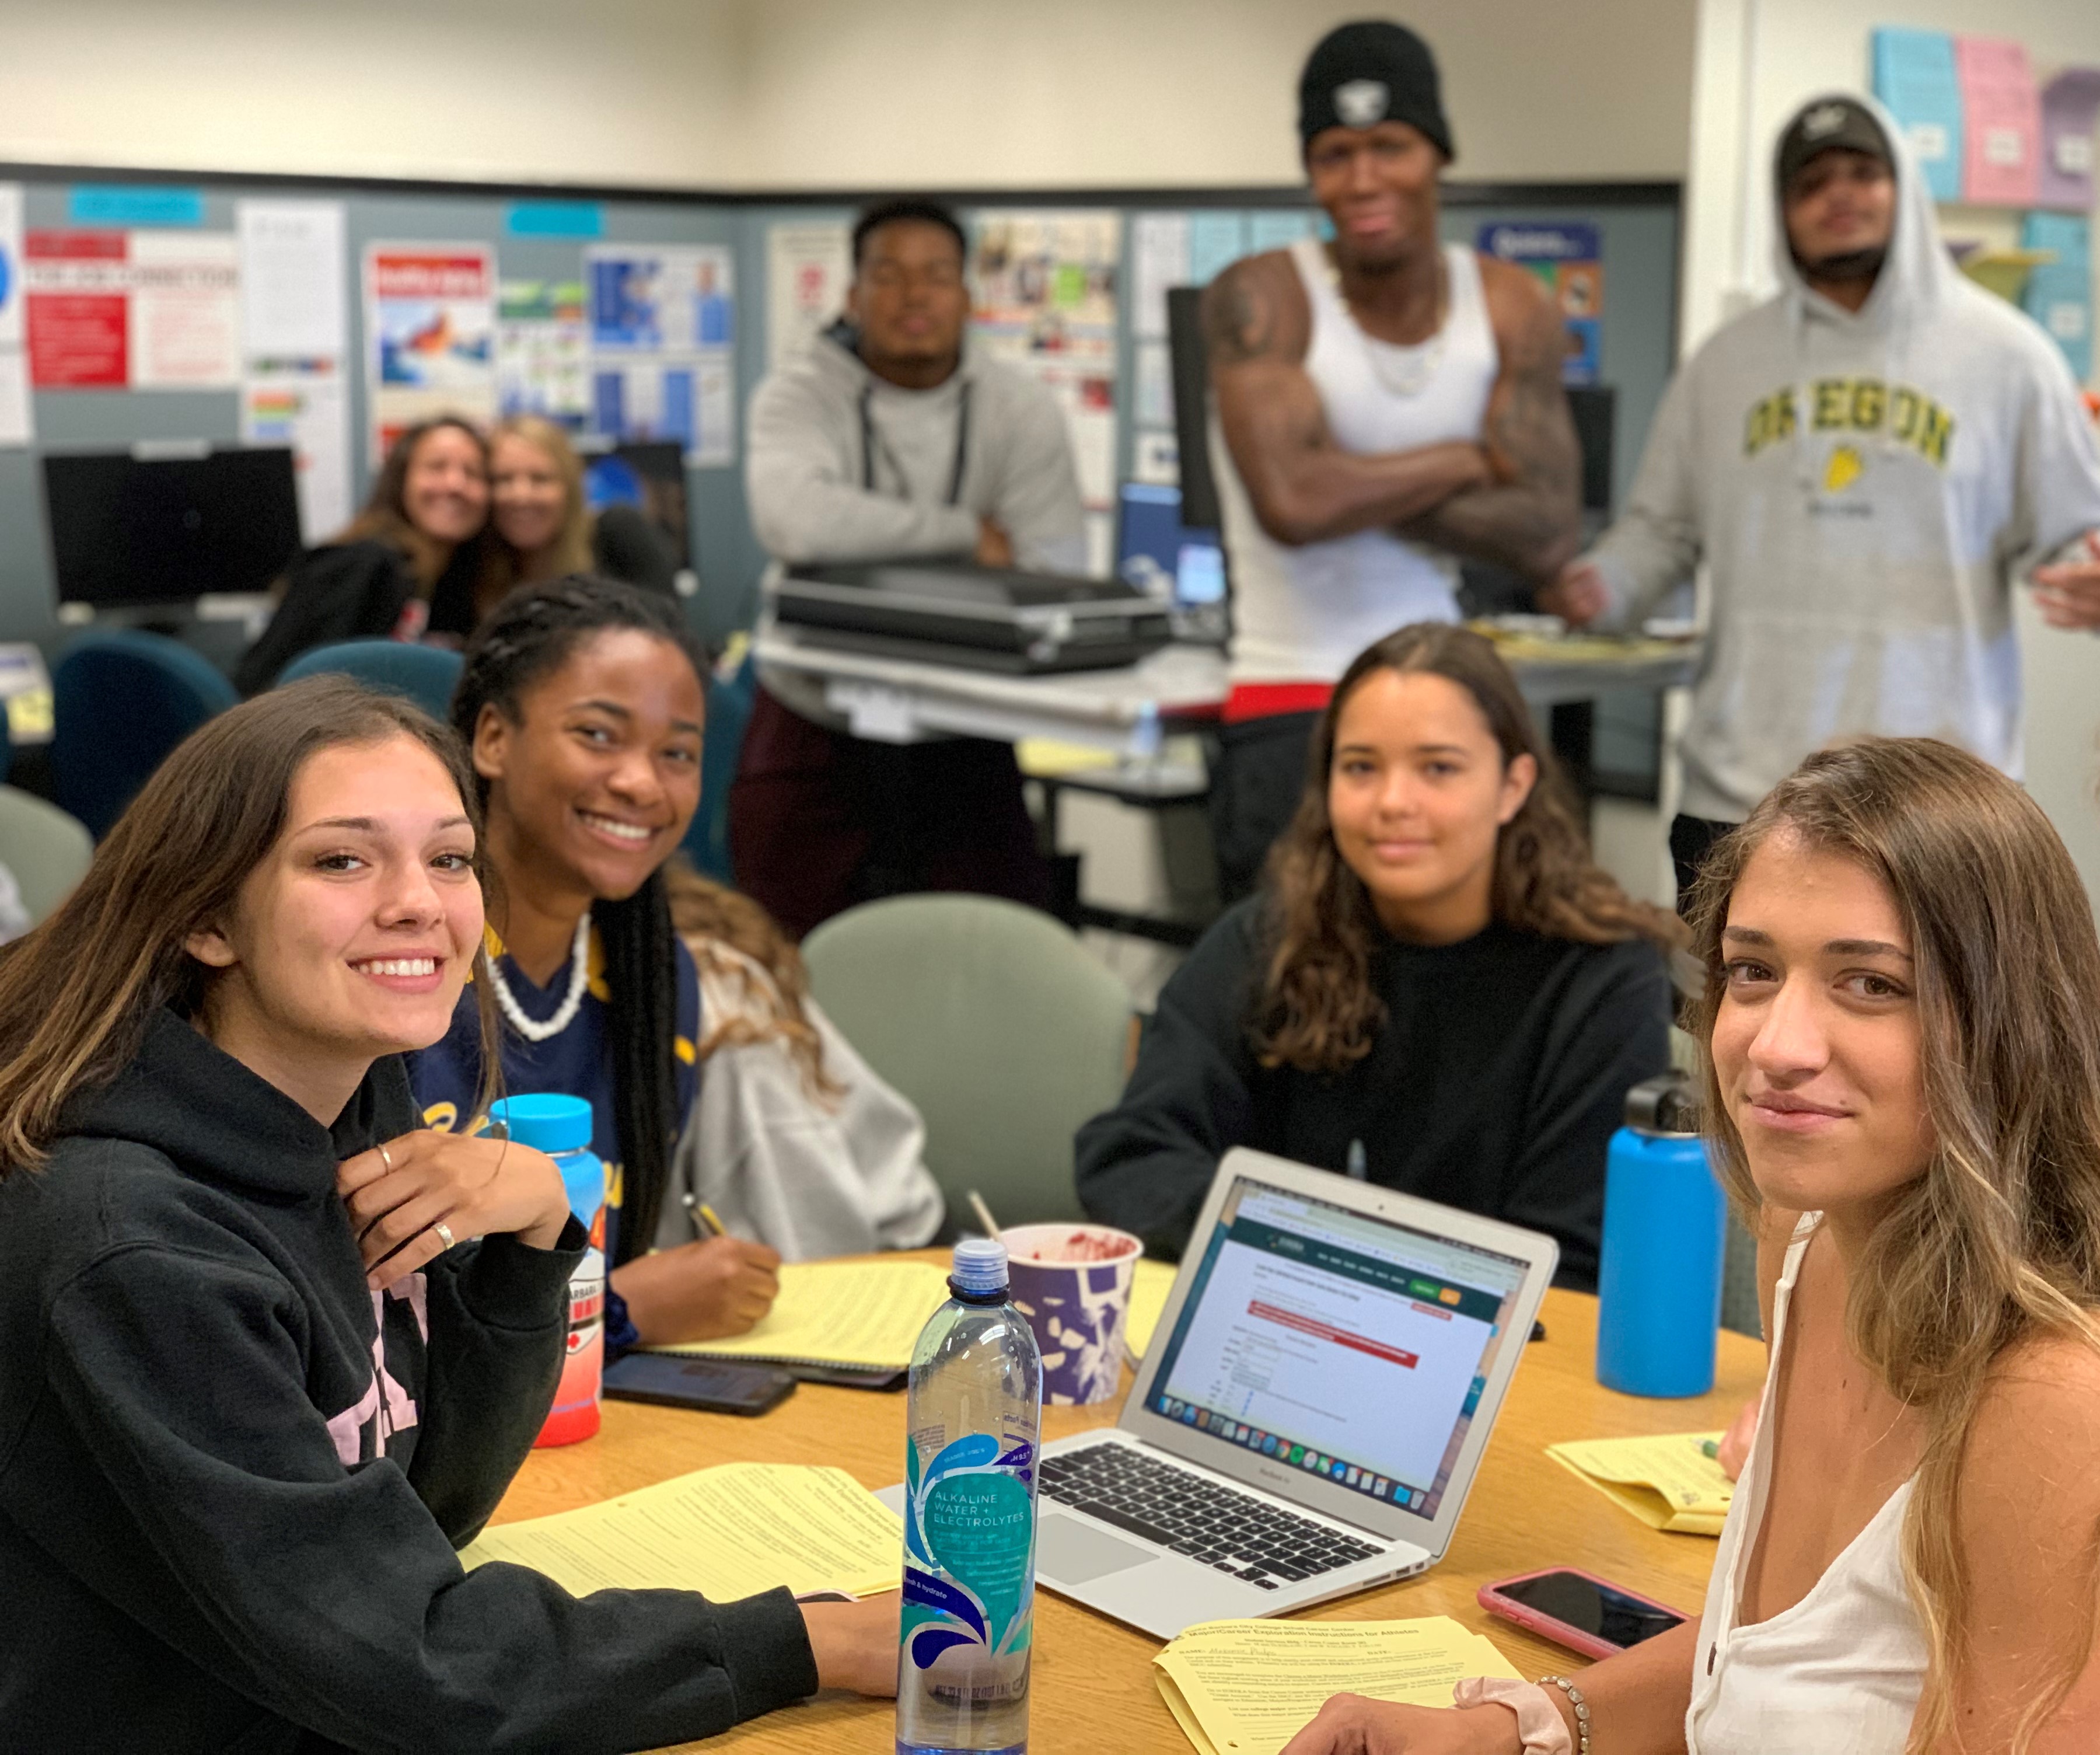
x=1511 y=498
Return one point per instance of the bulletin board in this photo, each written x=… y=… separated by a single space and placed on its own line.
x=501 y=268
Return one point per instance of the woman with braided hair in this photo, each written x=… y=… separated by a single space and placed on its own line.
x=582 y=703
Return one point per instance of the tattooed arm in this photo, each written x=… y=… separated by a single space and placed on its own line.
x=1305 y=488
x=1530 y=518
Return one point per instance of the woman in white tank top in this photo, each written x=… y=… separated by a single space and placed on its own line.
x=1902 y=1043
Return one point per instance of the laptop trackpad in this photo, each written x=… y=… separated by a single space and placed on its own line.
x=1073 y=1553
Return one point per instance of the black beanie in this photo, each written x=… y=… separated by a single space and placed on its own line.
x=1370 y=72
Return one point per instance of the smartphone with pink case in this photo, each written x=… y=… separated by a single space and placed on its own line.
x=1579 y=1610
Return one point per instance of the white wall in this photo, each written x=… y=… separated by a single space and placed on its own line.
x=1796 y=48
x=642 y=92
x=844 y=93
x=802 y=93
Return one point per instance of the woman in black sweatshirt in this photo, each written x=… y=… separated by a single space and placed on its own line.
x=1436 y=989
x=268 y=1354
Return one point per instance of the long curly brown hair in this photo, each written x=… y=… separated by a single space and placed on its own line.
x=1317 y=1010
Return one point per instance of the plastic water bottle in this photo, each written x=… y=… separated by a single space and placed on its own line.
x=561 y=1127
x=1665 y=1233
x=973 y=1423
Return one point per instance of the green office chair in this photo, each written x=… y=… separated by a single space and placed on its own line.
x=992 y=1019
x=47 y=850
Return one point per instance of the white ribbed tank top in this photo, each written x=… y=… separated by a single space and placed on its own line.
x=1841 y=1670
x=1301 y=614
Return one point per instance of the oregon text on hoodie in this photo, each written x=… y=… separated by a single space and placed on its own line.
x=1864 y=490
x=232 y=1477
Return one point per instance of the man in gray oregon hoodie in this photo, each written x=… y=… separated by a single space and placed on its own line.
x=890 y=437
x=1866 y=463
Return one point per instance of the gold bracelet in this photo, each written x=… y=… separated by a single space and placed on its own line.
x=1581 y=1709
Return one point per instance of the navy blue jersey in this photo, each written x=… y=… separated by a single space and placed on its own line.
x=577 y=1063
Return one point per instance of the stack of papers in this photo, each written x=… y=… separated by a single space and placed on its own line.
x=1248 y=1687
x=1148 y=1303
x=727 y=1532
x=1668 y=1484
x=843 y=1315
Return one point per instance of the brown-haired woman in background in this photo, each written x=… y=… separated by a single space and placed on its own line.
x=1436 y=990
x=416 y=559
x=269 y=1350
x=1903 y=1087
x=541 y=514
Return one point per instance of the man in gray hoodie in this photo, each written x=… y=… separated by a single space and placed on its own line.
x=1866 y=463
x=888 y=437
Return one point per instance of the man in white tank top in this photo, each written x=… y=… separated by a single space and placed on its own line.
x=1385 y=403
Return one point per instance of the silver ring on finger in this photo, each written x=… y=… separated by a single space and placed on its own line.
x=386 y=1157
x=444 y=1233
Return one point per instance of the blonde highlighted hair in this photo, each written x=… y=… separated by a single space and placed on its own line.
x=571 y=551
x=1998 y=1242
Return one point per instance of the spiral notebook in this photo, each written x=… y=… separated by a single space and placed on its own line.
x=856 y=1321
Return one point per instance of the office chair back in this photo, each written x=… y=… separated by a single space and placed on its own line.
x=121 y=700
x=994 y=1020
x=45 y=851
x=426 y=675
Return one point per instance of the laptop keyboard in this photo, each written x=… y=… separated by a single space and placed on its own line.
x=1190 y=1514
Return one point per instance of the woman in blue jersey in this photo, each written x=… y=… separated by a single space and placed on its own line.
x=583 y=703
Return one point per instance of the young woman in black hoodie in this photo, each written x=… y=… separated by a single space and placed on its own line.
x=268 y=1353
x=1436 y=990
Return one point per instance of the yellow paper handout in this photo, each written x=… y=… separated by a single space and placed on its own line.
x=1669 y=1483
x=1247 y=1687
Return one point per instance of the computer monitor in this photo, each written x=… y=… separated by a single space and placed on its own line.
x=127 y=530
x=649 y=475
x=1154 y=548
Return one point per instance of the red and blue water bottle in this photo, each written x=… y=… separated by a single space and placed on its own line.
x=561 y=1127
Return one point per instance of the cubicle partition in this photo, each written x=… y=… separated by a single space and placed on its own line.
x=767 y=270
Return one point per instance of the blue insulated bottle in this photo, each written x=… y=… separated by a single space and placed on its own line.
x=1665 y=1232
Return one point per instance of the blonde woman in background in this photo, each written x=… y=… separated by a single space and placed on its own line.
x=542 y=515
x=794 y=1140
x=1903 y=1072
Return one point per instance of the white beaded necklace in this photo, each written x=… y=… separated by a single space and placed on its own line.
x=571 y=1002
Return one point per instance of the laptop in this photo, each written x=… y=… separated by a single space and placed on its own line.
x=1314 y=1407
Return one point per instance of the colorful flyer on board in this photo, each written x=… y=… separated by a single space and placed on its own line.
x=137 y=310
x=1569 y=261
x=429 y=335
x=657 y=298
x=304 y=403
x=808 y=268
x=543 y=351
x=1046 y=285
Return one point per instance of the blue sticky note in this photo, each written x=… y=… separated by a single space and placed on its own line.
x=1914 y=75
x=130 y=204
x=1216 y=241
x=554 y=219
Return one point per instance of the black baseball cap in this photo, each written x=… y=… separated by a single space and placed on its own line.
x=1828 y=124
x=1359 y=75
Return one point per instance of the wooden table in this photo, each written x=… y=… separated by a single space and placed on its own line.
x=1091 y=1673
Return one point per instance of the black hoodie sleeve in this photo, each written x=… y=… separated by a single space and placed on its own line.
x=499 y=1313
x=344 y=591
x=328 y=1594
x=1145 y=1165
x=1610 y=1031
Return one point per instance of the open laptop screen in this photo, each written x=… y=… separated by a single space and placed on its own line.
x=1340 y=1343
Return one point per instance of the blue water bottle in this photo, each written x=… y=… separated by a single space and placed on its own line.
x=1665 y=1233
x=561 y=1127
x=973 y=1423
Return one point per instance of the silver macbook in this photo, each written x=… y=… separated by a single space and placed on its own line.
x=1315 y=1403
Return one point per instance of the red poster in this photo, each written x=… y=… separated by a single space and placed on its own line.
x=75 y=287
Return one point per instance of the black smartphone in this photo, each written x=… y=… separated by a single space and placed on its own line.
x=706 y=1384
x=1579 y=1610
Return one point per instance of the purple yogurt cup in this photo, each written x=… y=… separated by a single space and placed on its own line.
x=1077 y=1309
